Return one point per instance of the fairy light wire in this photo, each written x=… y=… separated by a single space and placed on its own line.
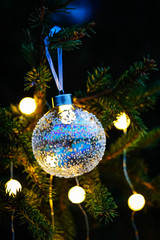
x=12 y=225
x=11 y=170
x=134 y=225
x=131 y=186
x=86 y=220
x=125 y=166
x=77 y=181
x=84 y=213
x=13 y=212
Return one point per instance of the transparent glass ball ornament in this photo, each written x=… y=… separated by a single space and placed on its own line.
x=68 y=141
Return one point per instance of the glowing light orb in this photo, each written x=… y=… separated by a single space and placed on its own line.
x=27 y=105
x=68 y=141
x=76 y=194
x=136 y=202
x=12 y=187
x=122 y=122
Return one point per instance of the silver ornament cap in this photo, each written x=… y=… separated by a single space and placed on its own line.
x=63 y=99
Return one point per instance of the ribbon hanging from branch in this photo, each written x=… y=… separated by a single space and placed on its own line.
x=58 y=78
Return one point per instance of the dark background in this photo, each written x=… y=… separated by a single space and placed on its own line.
x=126 y=31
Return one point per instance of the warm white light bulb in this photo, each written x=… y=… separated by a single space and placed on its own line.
x=12 y=187
x=136 y=202
x=67 y=114
x=76 y=194
x=122 y=122
x=27 y=105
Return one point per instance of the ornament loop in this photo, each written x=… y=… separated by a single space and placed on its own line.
x=58 y=78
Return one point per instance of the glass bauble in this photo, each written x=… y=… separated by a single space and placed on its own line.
x=68 y=141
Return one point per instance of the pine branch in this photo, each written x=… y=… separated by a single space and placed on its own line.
x=38 y=77
x=123 y=142
x=99 y=202
x=35 y=175
x=88 y=98
x=19 y=151
x=59 y=6
x=151 y=190
x=146 y=98
x=69 y=38
x=8 y=144
x=149 y=139
x=39 y=17
x=36 y=221
x=29 y=49
x=137 y=74
x=99 y=80
x=130 y=94
x=133 y=140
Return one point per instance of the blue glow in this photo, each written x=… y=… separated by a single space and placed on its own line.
x=77 y=139
x=81 y=13
x=76 y=131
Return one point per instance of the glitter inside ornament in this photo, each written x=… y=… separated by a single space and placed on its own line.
x=68 y=141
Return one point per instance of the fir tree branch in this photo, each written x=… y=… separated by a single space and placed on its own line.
x=38 y=77
x=58 y=6
x=137 y=74
x=98 y=201
x=151 y=190
x=123 y=142
x=20 y=148
x=69 y=38
x=148 y=185
x=88 y=98
x=150 y=138
x=134 y=74
x=36 y=221
x=98 y=80
x=146 y=98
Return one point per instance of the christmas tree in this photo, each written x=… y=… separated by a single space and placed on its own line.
x=41 y=208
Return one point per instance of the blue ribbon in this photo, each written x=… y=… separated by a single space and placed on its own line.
x=58 y=78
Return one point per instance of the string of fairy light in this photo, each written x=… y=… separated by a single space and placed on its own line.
x=136 y=201
x=77 y=194
x=73 y=162
x=12 y=187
